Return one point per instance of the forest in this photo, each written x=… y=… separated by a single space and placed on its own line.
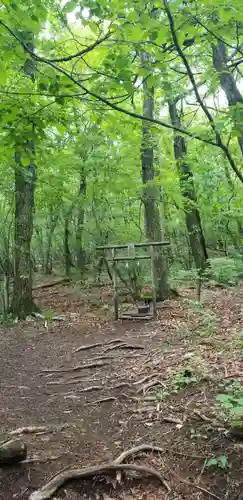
x=121 y=151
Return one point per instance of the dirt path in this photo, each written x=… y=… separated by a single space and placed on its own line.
x=81 y=431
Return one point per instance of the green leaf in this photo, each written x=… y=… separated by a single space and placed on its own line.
x=223 y=461
x=211 y=461
x=137 y=34
x=69 y=6
x=238 y=410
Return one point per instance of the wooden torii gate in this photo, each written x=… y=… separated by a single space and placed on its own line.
x=131 y=255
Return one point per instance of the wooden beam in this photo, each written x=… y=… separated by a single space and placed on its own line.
x=136 y=245
x=141 y=257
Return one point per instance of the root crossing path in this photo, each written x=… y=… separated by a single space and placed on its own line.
x=79 y=396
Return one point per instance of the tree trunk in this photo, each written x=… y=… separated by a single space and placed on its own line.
x=150 y=195
x=79 y=232
x=67 y=253
x=192 y=215
x=47 y=268
x=229 y=86
x=25 y=181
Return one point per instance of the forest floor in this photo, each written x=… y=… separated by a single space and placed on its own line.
x=161 y=381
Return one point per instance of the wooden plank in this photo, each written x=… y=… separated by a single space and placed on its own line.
x=141 y=257
x=136 y=245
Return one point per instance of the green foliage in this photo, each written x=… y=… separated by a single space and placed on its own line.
x=231 y=403
x=226 y=271
x=221 y=462
x=183 y=379
x=60 y=109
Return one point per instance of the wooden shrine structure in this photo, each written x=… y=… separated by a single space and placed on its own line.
x=132 y=255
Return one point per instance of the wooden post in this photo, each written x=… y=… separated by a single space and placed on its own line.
x=153 y=279
x=115 y=292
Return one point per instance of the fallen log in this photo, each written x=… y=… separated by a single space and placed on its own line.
x=12 y=452
x=50 y=285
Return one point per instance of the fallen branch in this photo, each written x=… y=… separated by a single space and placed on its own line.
x=87 y=347
x=54 y=484
x=54 y=283
x=12 y=452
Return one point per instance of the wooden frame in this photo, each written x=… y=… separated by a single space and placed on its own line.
x=131 y=249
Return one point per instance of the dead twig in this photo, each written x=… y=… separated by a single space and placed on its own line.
x=54 y=484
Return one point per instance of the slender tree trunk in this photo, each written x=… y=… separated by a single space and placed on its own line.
x=150 y=195
x=192 y=215
x=25 y=181
x=229 y=86
x=48 y=250
x=81 y=257
x=67 y=253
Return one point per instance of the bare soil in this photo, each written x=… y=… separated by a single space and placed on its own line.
x=44 y=382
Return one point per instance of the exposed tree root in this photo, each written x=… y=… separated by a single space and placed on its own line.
x=74 y=368
x=87 y=347
x=124 y=346
x=98 y=344
x=54 y=484
x=99 y=401
x=135 y=451
x=35 y=429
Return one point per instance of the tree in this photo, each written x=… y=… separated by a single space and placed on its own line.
x=192 y=215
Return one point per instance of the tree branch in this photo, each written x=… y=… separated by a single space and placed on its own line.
x=60 y=59
x=113 y=106
x=219 y=141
